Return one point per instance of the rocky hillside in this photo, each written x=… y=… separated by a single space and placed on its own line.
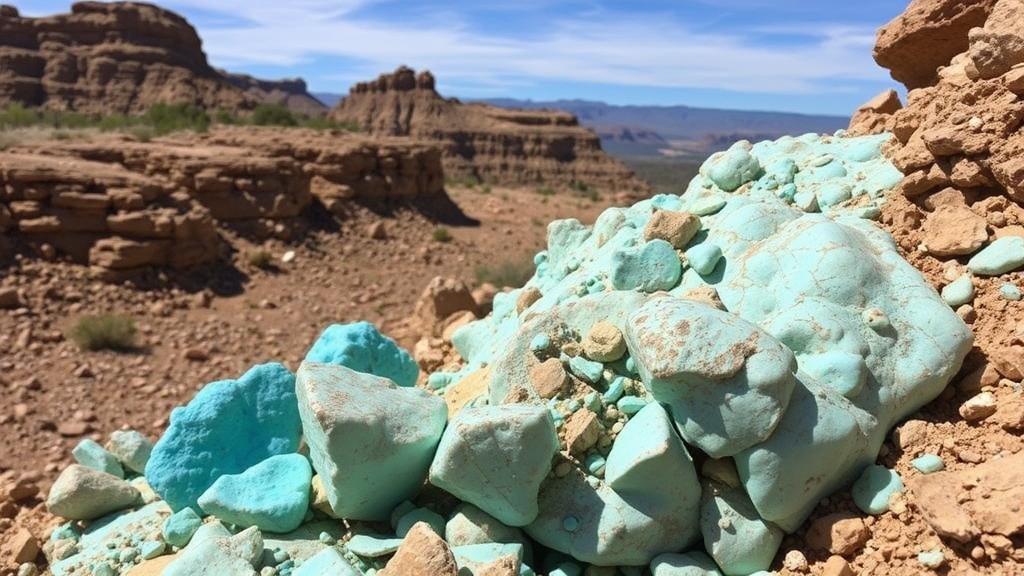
x=121 y=57
x=120 y=205
x=483 y=141
x=289 y=92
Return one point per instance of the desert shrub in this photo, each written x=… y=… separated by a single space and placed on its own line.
x=17 y=116
x=273 y=115
x=441 y=234
x=104 y=332
x=546 y=191
x=260 y=259
x=167 y=118
x=509 y=273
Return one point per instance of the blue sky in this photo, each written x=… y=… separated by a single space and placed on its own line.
x=809 y=56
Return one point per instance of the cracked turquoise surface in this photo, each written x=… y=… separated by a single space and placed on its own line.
x=827 y=338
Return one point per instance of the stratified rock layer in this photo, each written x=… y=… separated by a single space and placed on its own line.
x=486 y=142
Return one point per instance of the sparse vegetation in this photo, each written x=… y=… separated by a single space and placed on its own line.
x=441 y=234
x=462 y=182
x=665 y=176
x=510 y=273
x=260 y=259
x=273 y=115
x=546 y=191
x=104 y=332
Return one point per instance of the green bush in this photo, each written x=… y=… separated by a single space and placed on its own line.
x=441 y=234
x=104 y=332
x=17 y=116
x=510 y=273
x=546 y=191
x=273 y=115
x=260 y=259
x=167 y=118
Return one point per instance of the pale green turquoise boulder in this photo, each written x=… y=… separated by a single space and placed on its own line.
x=689 y=564
x=734 y=535
x=732 y=168
x=89 y=453
x=874 y=487
x=328 y=562
x=132 y=448
x=370 y=441
x=362 y=348
x=726 y=381
x=272 y=495
x=495 y=457
x=228 y=426
x=1003 y=255
x=473 y=558
x=471 y=525
x=649 y=267
x=213 y=551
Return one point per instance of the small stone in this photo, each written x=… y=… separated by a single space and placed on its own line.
x=1003 y=255
x=959 y=291
x=704 y=257
x=272 y=495
x=416 y=515
x=931 y=559
x=587 y=370
x=540 y=343
x=28 y=569
x=837 y=566
x=840 y=533
x=422 y=553
x=527 y=297
x=604 y=342
x=21 y=546
x=873 y=489
x=288 y=257
x=132 y=448
x=179 y=527
x=377 y=231
x=9 y=299
x=795 y=561
x=1010 y=292
x=327 y=561
x=361 y=347
x=81 y=493
x=978 y=407
x=548 y=378
x=89 y=453
x=928 y=463
x=630 y=405
x=582 y=431
x=152 y=548
x=675 y=227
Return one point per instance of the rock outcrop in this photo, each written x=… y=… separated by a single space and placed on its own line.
x=120 y=57
x=120 y=204
x=485 y=142
x=289 y=92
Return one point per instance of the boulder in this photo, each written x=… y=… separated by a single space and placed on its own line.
x=739 y=540
x=360 y=347
x=272 y=495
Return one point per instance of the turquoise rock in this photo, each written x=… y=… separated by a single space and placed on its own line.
x=471 y=525
x=732 y=168
x=651 y=267
x=360 y=347
x=1004 y=255
x=873 y=488
x=615 y=390
x=726 y=381
x=180 y=526
x=689 y=564
x=132 y=448
x=328 y=562
x=595 y=464
x=371 y=441
x=844 y=372
x=587 y=370
x=305 y=542
x=427 y=516
x=1010 y=292
x=228 y=426
x=959 y=291
x=655 y=516
x=928 y=463
x=152 y=548
x=471 y=559
x=540 y=343
x=90 y=454
x=704 y=257
x=707 y=206
x=272 y=495
x=495 y=457
x=631 y=404
x=566 y=569
x=109 y=536
x=213 y=551
x=372 y=546
x=739 y=540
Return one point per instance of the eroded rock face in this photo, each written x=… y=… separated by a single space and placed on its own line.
x=120 y=205
x=486 y=142
x=122 y=57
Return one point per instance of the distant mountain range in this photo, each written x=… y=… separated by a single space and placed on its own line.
x=680 y=132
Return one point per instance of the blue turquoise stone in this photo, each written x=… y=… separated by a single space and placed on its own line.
x=362 y=348
x=272 y=495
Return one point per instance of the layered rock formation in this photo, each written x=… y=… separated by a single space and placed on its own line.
x=120 y=57
x=485 y=142
x=960 y=145
x=290 y=92
x=120 y=204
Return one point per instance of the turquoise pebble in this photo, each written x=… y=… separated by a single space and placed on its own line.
x=439 y=380
x=704 y=257
x=570 y=523
x=180 y=526
x=408 y=520
x=874 y=487
x=707 y=205
x=540 y=343
x=1010 y=292
x=152 y=548
x=931 y=558
x=615 y=389
x=631 y=365
x=959 y=291
x=595 y=464
x=361 y=347
x=593 y=402
x=587 y=370
x=280 y=556
x=928 y=463
x=540 y=258
x=1004 y=255
x=90 y=454
x=631 y=404
x=566 y=569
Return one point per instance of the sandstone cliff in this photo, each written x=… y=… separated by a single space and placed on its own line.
x=290 y=92
x=121 y=57
x=486 y=142
x=118 y=204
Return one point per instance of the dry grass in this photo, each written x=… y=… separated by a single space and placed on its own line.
x=104 y=332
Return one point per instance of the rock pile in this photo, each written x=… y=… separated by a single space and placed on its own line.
x=488 y=143
x=119 y=205
x=958 y=215
x=677 y=388
x=122 y=57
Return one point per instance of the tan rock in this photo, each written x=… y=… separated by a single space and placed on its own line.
x=921 y=181
x=582 y=430
x=1008 y=361
x=526 y=298
x=548 y=378
x=422 y=553
x=604 y=342
x=505 y=566
x=840 y=533
x=154 y=567
x=319 y=500
x=462 y=392
x=675 y=227
x=873 y=115
x=21 y=546
x=9 y=298
x=837 y=566
x=1014 y=80
x=442 y=298
x=953 y=231
x=978 y=407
